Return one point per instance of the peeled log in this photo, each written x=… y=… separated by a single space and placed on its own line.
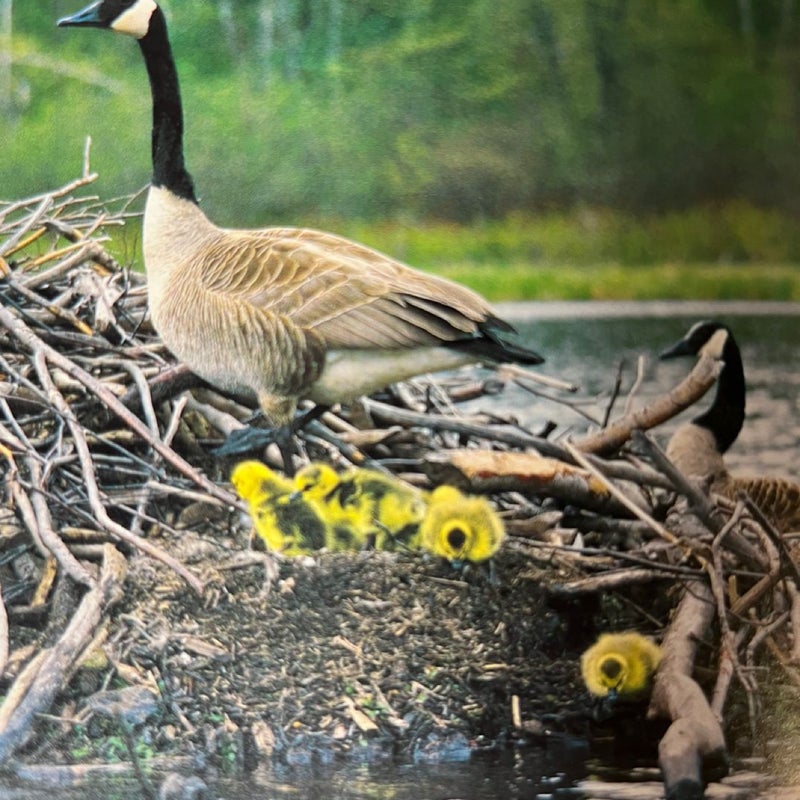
x=693 y=746
x=488 y=471
x=702 y=377
x=692 y=750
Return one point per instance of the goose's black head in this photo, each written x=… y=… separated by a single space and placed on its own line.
x=145 y=22
x=725 y=416
x=131 y=17
x=704 y=338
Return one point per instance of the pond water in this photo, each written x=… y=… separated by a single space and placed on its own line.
x=516 y=774
x=521 y=773
x=584 y=343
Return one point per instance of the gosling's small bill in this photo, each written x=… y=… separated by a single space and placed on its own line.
x=620 y=666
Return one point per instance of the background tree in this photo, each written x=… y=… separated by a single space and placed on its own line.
x=470 y=111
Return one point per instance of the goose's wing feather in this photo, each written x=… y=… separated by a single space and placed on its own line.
x=351 y=295
x=778 y=498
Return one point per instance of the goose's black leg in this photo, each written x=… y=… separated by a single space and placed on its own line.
x=246 y=440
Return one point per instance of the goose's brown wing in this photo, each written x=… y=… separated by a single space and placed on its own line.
x=778 y=498
x=349 y=294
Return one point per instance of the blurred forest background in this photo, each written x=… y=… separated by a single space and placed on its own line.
x=631 y=132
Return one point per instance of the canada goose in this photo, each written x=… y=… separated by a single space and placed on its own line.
x=460 y=527
x=620 y=666
x=697 y=447
x=280 y=314
x=286 y=523
x=385 y=512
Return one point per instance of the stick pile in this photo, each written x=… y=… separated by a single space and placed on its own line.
x=98 y=434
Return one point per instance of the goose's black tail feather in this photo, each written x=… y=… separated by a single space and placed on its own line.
x=491 y=347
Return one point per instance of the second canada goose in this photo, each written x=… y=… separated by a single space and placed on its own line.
x=280 y=314
x=697 y=447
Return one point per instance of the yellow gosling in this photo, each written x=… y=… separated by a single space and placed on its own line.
x=620 y=665
x=320 y=485
x=377 y=509
x=286 y=523
x=392 y=510
x=459 y=527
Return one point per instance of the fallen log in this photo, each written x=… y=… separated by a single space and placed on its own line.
x=693 y=750
x=486 y=471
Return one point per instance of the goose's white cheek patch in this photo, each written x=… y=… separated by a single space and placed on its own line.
x=136 y=20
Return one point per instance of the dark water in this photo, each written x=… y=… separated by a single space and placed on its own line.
x=521 y=773
x=516 y=774
x=584 y=344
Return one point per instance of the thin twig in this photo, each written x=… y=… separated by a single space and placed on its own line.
x=655 y=526
x=93 y=491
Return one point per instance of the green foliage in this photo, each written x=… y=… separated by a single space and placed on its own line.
x=467 y=111
x=733 y=232
x=734 y=251
x=613 y=282
x=562 y=148
x=107 y=744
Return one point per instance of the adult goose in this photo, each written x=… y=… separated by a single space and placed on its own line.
x=697 y=447
x=280 y=314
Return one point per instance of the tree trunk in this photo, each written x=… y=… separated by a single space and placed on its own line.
x=5 y=55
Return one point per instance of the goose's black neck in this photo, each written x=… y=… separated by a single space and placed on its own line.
x=725 y=417
x=169 y=170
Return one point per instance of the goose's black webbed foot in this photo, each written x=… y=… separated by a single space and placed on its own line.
x=250 y=438
x=246 y=440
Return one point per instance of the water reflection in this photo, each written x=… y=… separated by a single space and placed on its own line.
x=519 y=773
x=516 y=774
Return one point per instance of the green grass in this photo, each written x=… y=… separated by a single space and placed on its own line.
x=729 y=233
x=558 y=258
x=615 y=282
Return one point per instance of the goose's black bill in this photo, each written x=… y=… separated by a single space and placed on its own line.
x=89 y=17
x=681 y=348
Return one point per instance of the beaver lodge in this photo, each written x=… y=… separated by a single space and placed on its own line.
x=138 y=624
